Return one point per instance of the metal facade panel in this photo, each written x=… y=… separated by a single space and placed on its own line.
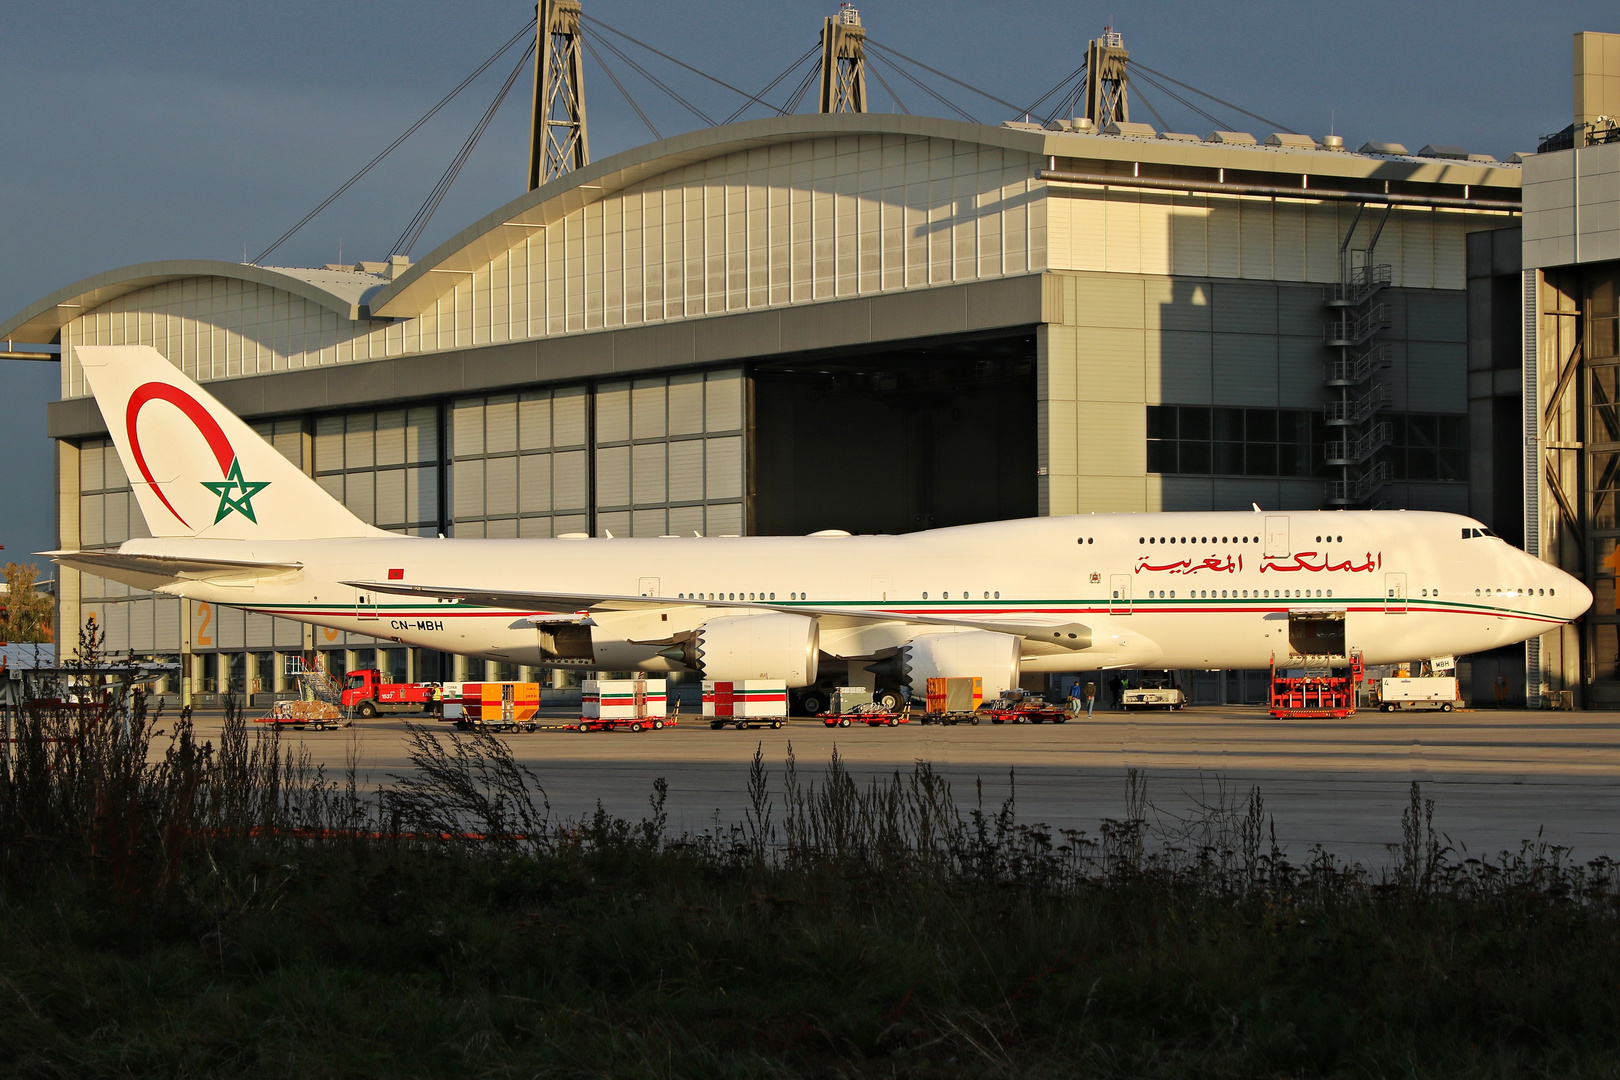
x=141 y=636
x=1530 y=368
x=231 y=626
x=260 y=631
x=166 y=624
x=289 y=635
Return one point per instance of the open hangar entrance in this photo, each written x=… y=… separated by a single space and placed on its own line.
x=896 y=438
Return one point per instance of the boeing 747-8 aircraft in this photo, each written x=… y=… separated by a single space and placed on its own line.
x=233 y=522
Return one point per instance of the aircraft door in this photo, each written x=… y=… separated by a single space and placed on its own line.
x=647 y=586
x=365 y=604
x=1277 y=538
x=1395 y=598
x=1119 y=594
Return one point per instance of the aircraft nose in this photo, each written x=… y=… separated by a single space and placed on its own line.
x=1579 y=596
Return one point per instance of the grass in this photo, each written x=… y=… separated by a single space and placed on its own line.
x=231 y=911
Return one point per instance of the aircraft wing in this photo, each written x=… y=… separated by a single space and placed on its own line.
x=155 y=571
x=1058 y=632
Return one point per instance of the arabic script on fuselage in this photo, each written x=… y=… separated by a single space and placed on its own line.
x=1316 y=562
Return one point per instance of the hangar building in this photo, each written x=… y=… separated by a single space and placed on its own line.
x=869 y=322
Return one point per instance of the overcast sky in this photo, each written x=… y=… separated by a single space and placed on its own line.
x=146 y=130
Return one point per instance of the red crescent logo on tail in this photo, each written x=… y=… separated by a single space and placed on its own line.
x=206 y=425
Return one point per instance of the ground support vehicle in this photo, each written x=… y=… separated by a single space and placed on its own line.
x=1027 y=713
x=745 y=704
x=1432 y=692
x=949 y=718
x=366 y=694
x=298 y=715
x=320 y=701
x=654 y=723
x=872 y=714
x=1315 y=689
x=1142 y=697
x=510 y=705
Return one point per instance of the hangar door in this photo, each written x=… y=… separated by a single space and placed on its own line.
x=668 y=455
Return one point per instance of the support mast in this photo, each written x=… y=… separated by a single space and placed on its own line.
x=557 y=137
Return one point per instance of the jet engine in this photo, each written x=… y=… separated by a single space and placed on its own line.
x=991 y=656
x=764 y=646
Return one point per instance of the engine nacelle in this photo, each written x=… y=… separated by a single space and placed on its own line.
x=764 y=646
x=991 y=656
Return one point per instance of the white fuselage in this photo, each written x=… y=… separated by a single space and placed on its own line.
x=1164 y=590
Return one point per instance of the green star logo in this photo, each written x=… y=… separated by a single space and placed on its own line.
x=242 y=502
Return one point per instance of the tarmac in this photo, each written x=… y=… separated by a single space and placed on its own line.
x=1498 y=778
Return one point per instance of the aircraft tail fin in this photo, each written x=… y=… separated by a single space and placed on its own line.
x=196 y=469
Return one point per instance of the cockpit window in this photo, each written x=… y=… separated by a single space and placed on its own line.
x=1469 y=534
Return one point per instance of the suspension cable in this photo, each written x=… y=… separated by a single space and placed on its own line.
x=650 y=77
x=1212 y=97
x=751 y=97
x=790 y=69
x=1220 y=125
x=413 y=231
x=941 y=74
x=804 y=86
x=878 y=75
x=601 y=63
x=1143 y=98
x=527 y=30
x=931 y=92
x=1060 y=84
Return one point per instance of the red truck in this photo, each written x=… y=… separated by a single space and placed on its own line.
x=366 y=694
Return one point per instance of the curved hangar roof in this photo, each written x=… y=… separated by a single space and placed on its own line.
x=357 y=296
x=341 y=291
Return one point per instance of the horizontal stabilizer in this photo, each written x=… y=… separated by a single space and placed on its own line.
x=155 y=571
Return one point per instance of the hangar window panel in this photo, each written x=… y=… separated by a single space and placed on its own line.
x=421 y=495
x=569 y=479
x=391 y=437
x=534 y=484
x=329 y=444
x=360 y=496
x=686 y=520
x=686 y=404
x=724 y=519
x=686 y=471
x=648 y=522
x=648 y=471
x=500 y=486
x=500 y=425
x=613 y=476
x=391 y=498
x=723 y=468
x=467 y=428
x=467 y=489
x=332 y=484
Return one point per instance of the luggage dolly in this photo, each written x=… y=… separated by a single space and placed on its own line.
x=872 y=715
x=745 y=723
x=651 y=723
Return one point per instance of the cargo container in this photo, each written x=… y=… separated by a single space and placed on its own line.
x=624 y=699
x=503 y=704
x=1433 y=692
x=745 y=703
x=963 y=694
